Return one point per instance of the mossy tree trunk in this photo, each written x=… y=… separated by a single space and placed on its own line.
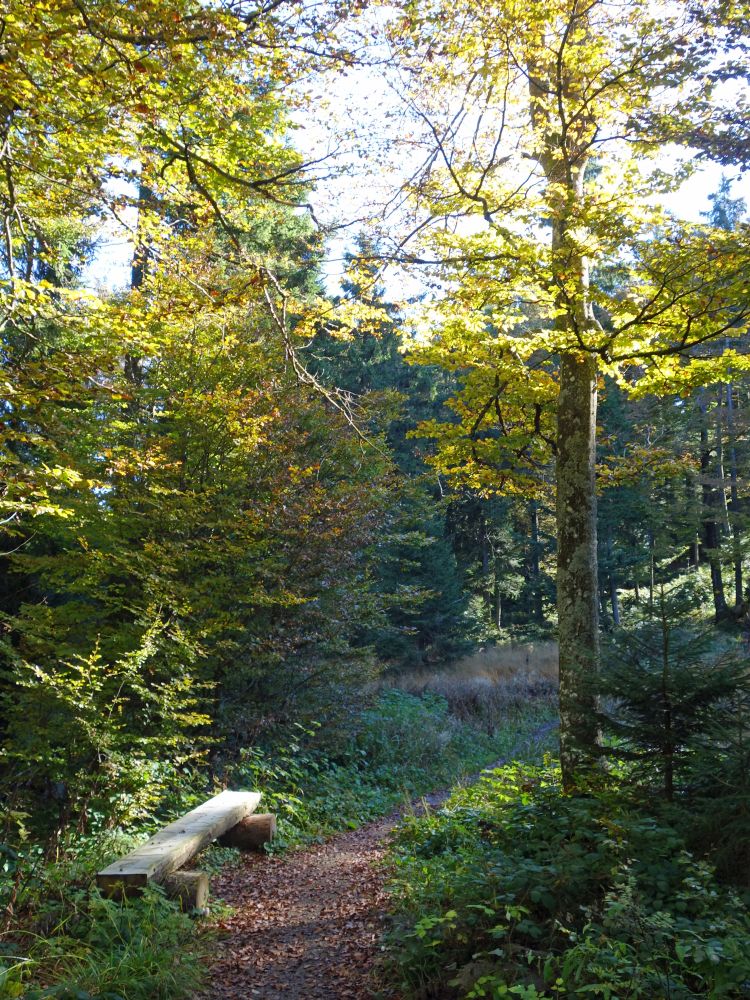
x=577 y=583
x=564 y=154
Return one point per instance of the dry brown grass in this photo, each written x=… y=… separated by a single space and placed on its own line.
x=493 y=682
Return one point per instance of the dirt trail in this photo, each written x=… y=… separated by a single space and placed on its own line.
x=307 y=924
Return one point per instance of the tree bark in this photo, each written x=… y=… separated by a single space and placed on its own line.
x=711 y=527
x=536 y=582
x=613 y=595
x=651 y=570
x=498 y=606
x=734 y=506
x=577 y=599
x=721 y=482
x=487 y=586
x=563 y=155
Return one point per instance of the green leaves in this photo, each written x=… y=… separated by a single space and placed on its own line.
x=514 y=889
x=525 y=108
x=76 y=722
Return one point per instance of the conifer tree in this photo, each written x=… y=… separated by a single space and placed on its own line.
x=415 y=567
x=672 y=691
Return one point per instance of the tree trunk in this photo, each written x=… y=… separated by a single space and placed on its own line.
x=487 y=588
x=734 y=501
x=577 y=603
x=536 y=582
x=603 y=604
x=652 y=571
x=615 y=599
x=721 y=482
x=711 y=527
x=498 y=606
x=140 y=254
x=564 y=160
x=613 y=595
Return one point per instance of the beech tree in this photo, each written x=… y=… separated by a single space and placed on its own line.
x=180 y=505
x=539 y=121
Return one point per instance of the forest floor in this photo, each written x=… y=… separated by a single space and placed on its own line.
x=308 y=924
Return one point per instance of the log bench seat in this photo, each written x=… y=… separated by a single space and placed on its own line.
x=177 y=843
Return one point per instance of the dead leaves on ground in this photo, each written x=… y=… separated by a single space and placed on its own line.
x=306 y=924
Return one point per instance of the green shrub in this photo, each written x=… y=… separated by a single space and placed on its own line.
x=100 y=741
x=515 y=889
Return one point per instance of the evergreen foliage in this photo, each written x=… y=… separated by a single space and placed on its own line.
x=672 y=689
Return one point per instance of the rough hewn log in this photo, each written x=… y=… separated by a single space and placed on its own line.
x=177 y=843
x=251 y=833
x=191 y=888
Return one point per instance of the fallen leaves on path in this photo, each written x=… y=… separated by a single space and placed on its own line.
x=306 y=924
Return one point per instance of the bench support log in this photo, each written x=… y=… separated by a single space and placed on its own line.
x=251 y=833
x=190 y=888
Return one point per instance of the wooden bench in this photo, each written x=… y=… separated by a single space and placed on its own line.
x=159 y=858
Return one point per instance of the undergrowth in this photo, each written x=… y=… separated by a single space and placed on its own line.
x=61 y=939
x=493 y=683
x=516 y=889
x=401 y=747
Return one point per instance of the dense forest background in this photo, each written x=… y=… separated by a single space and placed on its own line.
x=255 y=530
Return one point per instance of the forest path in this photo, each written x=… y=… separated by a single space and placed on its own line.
x=307 y=924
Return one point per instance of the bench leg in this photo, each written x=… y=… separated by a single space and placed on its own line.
x=251 y=833
x=190 y=888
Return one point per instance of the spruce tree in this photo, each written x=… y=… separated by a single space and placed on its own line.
x=670 y=684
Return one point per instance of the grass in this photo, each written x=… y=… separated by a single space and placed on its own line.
x=492 y=686
x=77 y=945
